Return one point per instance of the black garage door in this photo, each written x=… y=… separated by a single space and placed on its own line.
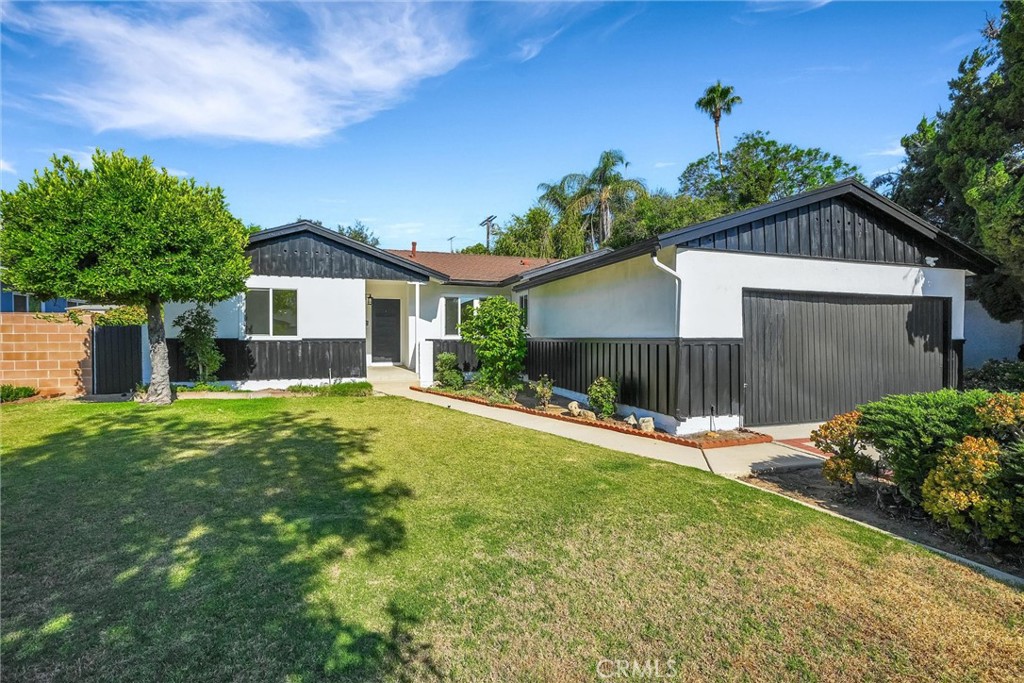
x=809 y=356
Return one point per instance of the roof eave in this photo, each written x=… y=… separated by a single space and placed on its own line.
x=650 y=245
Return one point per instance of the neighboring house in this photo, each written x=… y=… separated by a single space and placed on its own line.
x=989 y=339
x=322 y=307
x=18 y=302
x=789 y=312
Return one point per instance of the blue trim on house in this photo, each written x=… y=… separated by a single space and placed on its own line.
x=50 y=306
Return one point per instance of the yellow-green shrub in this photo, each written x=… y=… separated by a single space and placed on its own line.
x=1002 y=417
x=975 y=484
x=839 y=438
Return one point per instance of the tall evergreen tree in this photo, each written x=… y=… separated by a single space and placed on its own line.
x=964 y=167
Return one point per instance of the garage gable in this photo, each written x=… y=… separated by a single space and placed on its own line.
x=845 y=222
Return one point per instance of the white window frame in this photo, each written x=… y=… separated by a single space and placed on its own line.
x=270 y=313
x=475 y=298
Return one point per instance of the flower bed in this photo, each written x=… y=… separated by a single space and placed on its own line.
x=739 y=437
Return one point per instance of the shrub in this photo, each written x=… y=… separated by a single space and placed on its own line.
x=910 y=430
x=334 y=389
x=543 y=388
x=10 y=392
x=1002 y=417
x=497 y=335
x=201 y=386
x=973 y=486
x=839 y=437
x=601 y=397
x=198 y=328
x=447 y=374
x=996 y=375
x=122 y=315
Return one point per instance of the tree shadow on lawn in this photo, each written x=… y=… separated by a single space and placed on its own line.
x=177 y=544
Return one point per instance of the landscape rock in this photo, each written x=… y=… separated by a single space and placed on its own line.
x=588 y=415
x=574 y=408
x=646 y=424
x=631 y=420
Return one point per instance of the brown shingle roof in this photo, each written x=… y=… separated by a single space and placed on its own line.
x=473 y=267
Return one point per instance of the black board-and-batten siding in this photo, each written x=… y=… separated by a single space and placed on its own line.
x=677 y=377
x=307 y=254
x=265 y=359
x=835 y=229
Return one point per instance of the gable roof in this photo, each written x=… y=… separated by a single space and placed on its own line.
x=309 y=259
x=412 y=270
x=477 y=269
x=918 y=241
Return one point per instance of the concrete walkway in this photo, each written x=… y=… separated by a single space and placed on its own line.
x=736 y=461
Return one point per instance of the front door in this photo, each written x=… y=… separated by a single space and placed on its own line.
x=386 y=330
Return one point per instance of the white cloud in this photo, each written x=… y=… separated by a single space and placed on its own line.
x=226 y=70
x=665 y=164
x=794 y=6
x=961 y=41
x=82 y=157
x=531 y=47
x=6 y=167
x=891 y=151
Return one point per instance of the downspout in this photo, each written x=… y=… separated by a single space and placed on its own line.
x=679 y=287
x=416 y=333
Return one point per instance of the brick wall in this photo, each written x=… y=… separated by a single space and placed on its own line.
x=47 y=355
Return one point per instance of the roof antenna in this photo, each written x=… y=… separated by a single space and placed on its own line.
x=451 y=244
x=489 y=223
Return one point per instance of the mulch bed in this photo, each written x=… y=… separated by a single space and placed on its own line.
x=740 y=437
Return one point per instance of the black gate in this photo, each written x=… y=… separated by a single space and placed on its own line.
x=116 y=359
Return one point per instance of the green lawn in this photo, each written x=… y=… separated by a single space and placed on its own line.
x=307 y=539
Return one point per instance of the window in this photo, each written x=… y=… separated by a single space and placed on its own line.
x=272 y=312
x=451 y=316
x=524 y=307
x=456 y=310
x=25 y=303
x=467 y=308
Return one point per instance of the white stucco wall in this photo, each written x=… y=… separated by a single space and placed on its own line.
x=713 y=283
x=987 y=338
x=628 y=299
x=432 y=313
x=328 y=308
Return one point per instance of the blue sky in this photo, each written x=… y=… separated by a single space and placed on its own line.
x=422 y=119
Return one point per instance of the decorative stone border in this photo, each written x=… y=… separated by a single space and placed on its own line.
x=659 y=436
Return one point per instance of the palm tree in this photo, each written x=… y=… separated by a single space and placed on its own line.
x=594 y=197
x=718 y=99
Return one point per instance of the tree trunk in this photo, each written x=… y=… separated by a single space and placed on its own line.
x=604 y=222
x=160 y=379
x=718 y=141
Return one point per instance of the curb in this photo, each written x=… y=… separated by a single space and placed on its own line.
x=659 y=436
